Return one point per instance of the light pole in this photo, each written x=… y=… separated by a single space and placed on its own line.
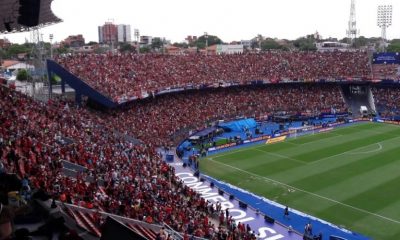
x=51 y=45
x=384 y=20
x=352 y=30
x=137 y=37
x=206 y=37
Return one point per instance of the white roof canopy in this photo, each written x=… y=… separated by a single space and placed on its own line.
x=10 y=12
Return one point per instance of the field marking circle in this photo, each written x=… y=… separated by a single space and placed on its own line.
x=380 y=147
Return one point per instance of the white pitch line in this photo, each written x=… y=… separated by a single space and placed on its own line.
x=379 y=132
x=313 y=142
x=307 y=192
x=370 y=151
x=240 y=150
x=260 y=145
x=281 y=156
x=349 y=151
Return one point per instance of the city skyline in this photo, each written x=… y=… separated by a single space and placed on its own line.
x=229 y=20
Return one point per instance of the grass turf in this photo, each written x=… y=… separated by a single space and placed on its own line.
x=349 y=176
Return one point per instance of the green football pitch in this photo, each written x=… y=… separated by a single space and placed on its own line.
x=349 y=176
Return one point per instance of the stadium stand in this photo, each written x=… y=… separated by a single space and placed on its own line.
x=179 y=113
x=129 y=180
x=117 y=176
x=87 y=159
x=125 y=76
x=387 y=101
x=386 y=71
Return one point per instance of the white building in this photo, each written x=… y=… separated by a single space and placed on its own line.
x=246 y=43
x=146 y=40
x=332 y=46
x=124 y=33
x=11 y=66
x=100 y=31
x=229 y=49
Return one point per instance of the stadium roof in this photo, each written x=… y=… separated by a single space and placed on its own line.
x=16 y=13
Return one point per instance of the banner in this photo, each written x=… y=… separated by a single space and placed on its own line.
x=326 y=129
x=275 y=140
x=386 y=58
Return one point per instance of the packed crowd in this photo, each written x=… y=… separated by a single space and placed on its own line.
x=387 y=101
x=125 y=76
x=135 y=182
x=127 y=179
x=34 y=136
x=154 y=121
x=386 y=71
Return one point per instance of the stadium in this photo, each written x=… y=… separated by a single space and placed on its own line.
x=258 y=145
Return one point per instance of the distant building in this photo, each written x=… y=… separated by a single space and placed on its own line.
x=246 y=43
x=191 y=39
x=332 y=46
x=228 y=49
x=12 y=65
x=110 y=33
x=22 y=56
x=74 y=41
x=317 y=36
x=124 y=33
x=85 y=49
x=174 y=50
x=145 y=40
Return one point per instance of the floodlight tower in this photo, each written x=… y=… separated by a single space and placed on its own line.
x=51 y=36
x=37 y=59
x=384 y=19
x=352 y=30
x=206 y=37
x=137 y=38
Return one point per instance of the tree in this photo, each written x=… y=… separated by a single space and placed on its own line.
x=22 y=75
x=3 y=54
x=394 y=46
x=91 y=43
x=360 y=42
x=145 y=49
x=101 y=50
x=345 y=40
x=126 y=47
x=305 y=43
x=270 y=43
x=211 y=40
x=60 y=50
x=254 y=45
x=180 y=45
x=157 y=43
x=55 y=79
x=16 y=49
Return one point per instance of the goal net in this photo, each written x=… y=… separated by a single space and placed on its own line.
x=298 y=131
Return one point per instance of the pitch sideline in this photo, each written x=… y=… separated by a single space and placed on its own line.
x=307 y=192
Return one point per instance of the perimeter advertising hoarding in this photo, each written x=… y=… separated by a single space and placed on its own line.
x=386 y=58
x=276 y=140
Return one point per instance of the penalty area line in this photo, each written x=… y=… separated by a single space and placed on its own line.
x=310 y=193
x=380 y=147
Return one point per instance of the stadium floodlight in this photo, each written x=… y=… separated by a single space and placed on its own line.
x=384 y=19
x=137 y=38
x=206 y=37
x=352 y=30
x=51 y=36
